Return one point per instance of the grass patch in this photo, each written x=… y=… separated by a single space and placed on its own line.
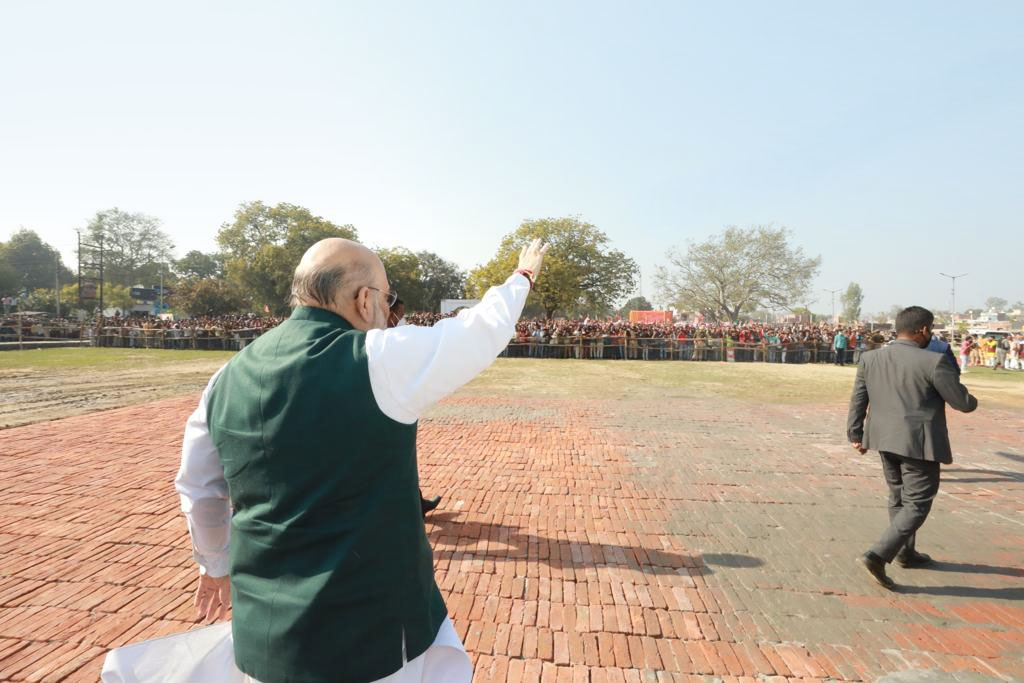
x=90 y=358
x=750 y=382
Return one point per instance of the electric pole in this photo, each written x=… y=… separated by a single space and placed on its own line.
x=953 y=279
x=833 y=293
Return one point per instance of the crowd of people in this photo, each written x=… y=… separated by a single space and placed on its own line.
x=1006 y=353
x=226 y=332
x=582 y=338
x=200 y=332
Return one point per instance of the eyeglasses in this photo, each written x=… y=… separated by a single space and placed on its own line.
x=391 y=295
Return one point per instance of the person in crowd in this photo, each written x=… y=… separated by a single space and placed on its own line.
x=965 y=352
x=839 y=344
x=301 y=457
x=939 y=345
x=898 y=408
x=1002 y=348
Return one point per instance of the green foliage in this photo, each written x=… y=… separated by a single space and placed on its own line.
x=736 y=271
x=403 y=269
x=422 y=279
x=439 y=279
x=581 y=273
x=135 y=249
x=851 y=299
x=637 y=303
x=263 y=245
x=29 y=263
x=996 y=302
x=207 y=296
x=10 y=281
x=196 y=264
x=117 y=296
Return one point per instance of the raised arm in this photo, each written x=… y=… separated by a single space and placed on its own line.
x=412 y=368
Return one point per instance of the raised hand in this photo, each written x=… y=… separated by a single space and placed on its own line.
x=532 y=257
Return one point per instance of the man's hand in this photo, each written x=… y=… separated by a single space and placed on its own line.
x=531 y=258
x=859 y=447
x=213 y=598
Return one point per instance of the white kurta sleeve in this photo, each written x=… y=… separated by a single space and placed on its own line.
x=204 y=492
x=412 y=367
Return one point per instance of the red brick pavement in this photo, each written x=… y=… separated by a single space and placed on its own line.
x=579 y=540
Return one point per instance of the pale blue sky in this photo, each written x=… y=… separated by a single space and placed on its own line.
x=888 y=136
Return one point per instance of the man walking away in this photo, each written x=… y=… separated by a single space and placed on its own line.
x=907 y=389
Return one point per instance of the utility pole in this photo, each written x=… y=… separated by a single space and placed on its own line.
x=56 y=281
x=833 y=293
x=953 y=279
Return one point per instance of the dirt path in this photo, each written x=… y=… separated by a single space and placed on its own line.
x=36 y=394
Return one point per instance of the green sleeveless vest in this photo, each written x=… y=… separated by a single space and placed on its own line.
x=330 y=563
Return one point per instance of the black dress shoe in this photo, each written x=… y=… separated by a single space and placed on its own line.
x=876 y=568
x=909 y=560
x=428 y=504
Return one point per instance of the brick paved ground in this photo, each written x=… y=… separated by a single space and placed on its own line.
x=579 y=540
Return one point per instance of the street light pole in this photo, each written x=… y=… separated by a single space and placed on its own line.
x=833 y=293
x=953 y=279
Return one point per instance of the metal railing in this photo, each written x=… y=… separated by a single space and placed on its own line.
x=207 y=339
x=583 y=348
x=713 y=349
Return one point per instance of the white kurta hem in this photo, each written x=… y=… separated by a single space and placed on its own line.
x=206 y=654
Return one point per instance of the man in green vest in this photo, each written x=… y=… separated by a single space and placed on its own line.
x=299 y=481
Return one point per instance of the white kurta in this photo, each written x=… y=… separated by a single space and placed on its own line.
x=411 y=368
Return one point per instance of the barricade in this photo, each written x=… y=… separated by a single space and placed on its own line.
x=657 y=348
x=199 y=339
x=607 y=347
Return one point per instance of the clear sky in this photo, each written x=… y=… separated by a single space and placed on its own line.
x=889 y=136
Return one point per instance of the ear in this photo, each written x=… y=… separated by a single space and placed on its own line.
x=364 y=306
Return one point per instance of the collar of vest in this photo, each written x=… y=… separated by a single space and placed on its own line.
x=320 y=315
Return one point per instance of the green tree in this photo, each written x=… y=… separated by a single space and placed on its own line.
x=34 y=262
x=738 y=271
x=263 y=244
x=196 y=264
x=10 y=281
x=851 y=299
x=995 y=302
x=637 y=303
x=581 y=271
x=117 y=296
x=405 y=276
x=135 y=249
x=440 y=279
x=207 y=296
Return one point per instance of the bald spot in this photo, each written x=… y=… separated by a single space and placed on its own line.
x=332 y=265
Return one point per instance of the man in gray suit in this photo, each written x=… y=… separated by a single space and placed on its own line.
x=907 y=389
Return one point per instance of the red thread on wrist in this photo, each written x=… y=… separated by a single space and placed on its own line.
x=528 y=274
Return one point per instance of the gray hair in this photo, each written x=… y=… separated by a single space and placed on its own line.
x=321 y=285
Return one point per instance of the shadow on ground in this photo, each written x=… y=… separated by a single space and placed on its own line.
x=456 y=534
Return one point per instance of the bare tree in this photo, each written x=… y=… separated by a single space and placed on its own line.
x=738 y=271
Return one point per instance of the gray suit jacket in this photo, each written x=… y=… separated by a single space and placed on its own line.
x=907 y=389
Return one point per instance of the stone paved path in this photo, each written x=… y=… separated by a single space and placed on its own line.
x=579 y=540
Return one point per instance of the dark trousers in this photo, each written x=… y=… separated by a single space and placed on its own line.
x=913 y=485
